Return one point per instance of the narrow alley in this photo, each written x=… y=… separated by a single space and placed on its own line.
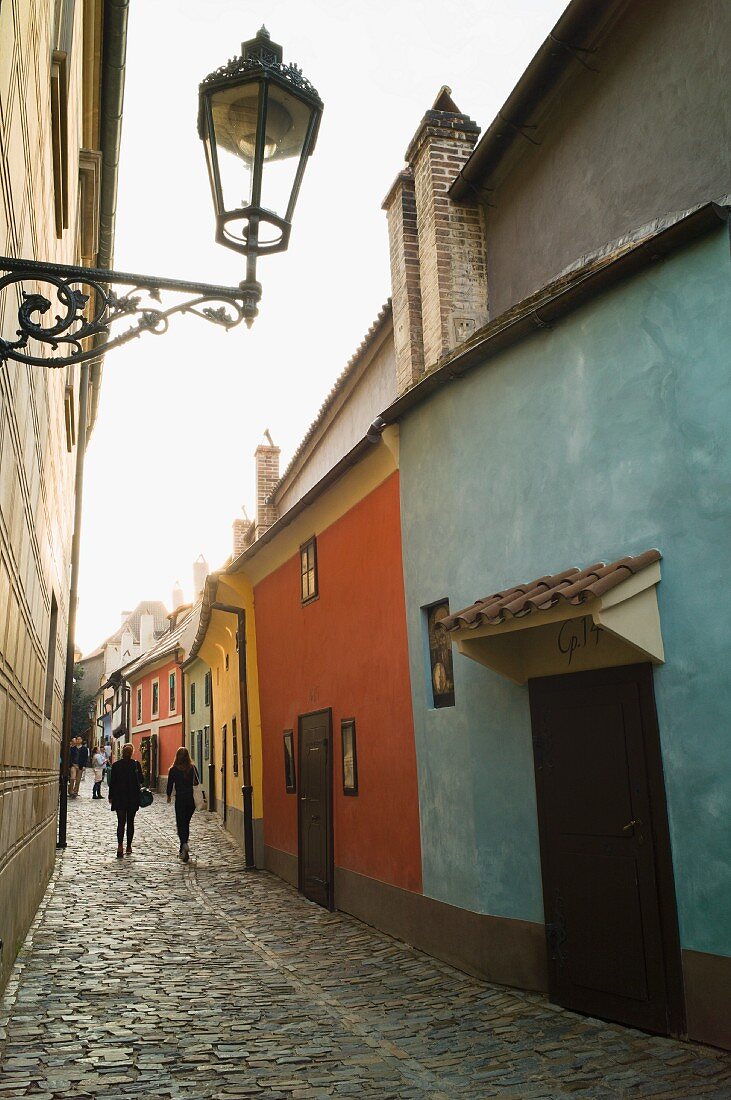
x=150 y=978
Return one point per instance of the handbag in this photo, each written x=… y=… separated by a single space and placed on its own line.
x=145 y=797
x=199 y=795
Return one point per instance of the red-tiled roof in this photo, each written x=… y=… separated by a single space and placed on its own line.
x=573 y=586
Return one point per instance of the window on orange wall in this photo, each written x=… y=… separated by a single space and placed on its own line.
x=171 y=691
x=308 y=571
x=139 y=705
x=155 y=698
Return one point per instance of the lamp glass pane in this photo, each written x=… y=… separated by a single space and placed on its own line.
x=235 y=112
x=288 y=119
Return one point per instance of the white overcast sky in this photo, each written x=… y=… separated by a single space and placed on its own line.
x=171 y=460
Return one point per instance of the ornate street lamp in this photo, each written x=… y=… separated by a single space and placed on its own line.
x=261 y=115
x=258 y=119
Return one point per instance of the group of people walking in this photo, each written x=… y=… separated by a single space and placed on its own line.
x=125 y=793
x=79 y=762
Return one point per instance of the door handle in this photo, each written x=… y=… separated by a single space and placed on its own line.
x=315 y=817
x=631 y=824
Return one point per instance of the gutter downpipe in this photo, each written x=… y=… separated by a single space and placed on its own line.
x=247 y=789
x=113 y=77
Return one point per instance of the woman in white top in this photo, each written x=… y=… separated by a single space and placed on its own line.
x=98 y=763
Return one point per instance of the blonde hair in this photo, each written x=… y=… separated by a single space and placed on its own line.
x=127 y=751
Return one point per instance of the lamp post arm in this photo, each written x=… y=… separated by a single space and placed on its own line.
x=88 y=317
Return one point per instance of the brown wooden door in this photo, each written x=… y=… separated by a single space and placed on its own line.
x=224 y=802
x=607 y=879
x=315 y=808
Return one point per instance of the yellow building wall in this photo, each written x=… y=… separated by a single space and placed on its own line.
x=219 y=643
x=37 y=458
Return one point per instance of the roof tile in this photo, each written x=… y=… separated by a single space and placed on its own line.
x=573 y=586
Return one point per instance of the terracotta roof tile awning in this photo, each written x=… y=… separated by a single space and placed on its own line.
x=572 y=621
x=574 y=586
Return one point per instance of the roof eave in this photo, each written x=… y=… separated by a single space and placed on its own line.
x=567 y=47
x=546 y=307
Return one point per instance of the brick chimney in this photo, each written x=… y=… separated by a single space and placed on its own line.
x=452 y=275
x=267 y=476
x=400 y=207
x=244 y=531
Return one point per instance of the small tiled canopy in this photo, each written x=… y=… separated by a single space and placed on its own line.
x=573 y=586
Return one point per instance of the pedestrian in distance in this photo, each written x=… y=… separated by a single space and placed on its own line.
x=74 y=770
x=83 y=760
x=183 y=777
x=98 y=763
x=125 y=781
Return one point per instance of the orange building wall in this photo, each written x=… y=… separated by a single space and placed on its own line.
x=169 y=737
x=346 y=650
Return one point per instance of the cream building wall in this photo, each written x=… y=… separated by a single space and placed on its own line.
x=38 y=38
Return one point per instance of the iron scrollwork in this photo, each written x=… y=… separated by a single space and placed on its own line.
x=87 y=307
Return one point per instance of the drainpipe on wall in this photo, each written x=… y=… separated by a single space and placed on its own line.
x=247 y=789
x=179 y=662
x=212 y=747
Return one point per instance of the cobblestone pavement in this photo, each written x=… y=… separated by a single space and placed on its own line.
x=149 y=978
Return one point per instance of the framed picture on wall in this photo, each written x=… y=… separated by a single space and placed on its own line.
x=290 y=776
x=350 y=758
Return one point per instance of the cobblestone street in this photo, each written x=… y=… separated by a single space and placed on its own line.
x=150 y=978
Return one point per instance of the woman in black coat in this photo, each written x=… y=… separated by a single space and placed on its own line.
x=125 y=781
x=183 y=777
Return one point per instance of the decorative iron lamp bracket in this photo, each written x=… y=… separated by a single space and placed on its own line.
x=255 y=109
x=89 y=307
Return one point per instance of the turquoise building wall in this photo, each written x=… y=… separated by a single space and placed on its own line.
x=605 y=436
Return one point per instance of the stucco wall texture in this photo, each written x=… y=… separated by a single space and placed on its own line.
x=346 y=650
x=656 y=94
x=36 y=470
x=605 y=436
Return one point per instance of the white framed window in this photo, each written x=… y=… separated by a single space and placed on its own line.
x=155 y=698
x=172 y=691
x=138 y=707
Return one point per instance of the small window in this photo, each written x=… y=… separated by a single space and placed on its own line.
x=69 y=412
x=59 y=139
x=290 y=775
x=227 y=662
x=139 y=705
x=308 y=571
x=192 y=698
x=155 y=698
x=207 y=690
x=51 y=658
x=440 y=656
x=235 y=746
x=350 y=758
x=172 y=683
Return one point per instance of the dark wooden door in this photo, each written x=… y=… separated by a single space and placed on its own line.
x=605 y=855
x=224 y=803
x=315 y=808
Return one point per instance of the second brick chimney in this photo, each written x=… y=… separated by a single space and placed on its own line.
x=267 y=476
x=441 y=300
